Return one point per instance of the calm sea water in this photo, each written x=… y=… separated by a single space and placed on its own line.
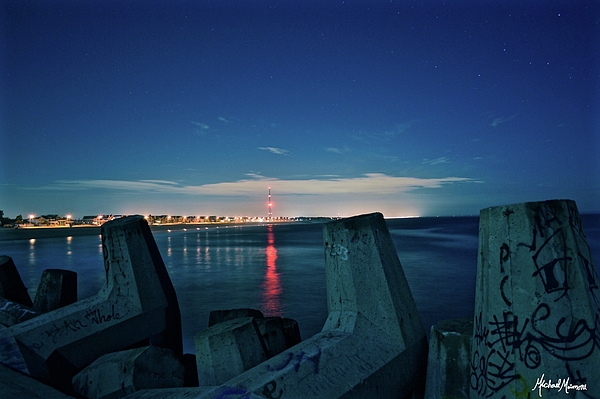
x=280 y=268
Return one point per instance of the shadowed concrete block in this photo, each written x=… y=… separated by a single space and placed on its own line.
x=372 y=345
x=20 y=386
x=222 y=392
x=292 y=332
x=137 y=304
x=191 y=370
x=277 y=334
x=272 y=335
x=57 y=288
x=11 y=285
x=117 y=374
x=219 y=316
x=537 y=309
x=227 y=349
x=448 y=364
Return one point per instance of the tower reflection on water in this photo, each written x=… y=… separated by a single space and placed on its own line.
x=271 y=288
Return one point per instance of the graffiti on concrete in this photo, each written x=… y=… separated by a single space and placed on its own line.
x=296 y=359
x=232 y=392
x=19 y=312
x=96 y=316
x=505 y=341
x=339 y=250
x=269 y=389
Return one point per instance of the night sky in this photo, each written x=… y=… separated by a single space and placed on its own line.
x=341 y=107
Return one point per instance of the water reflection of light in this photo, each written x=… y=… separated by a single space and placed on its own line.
x=32 y=251
x=207 y=257
x=69 y=249
x=271 y=295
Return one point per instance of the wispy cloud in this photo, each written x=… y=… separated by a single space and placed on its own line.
x=501 y=120
x=222 y=119
x=402 y=127
x=370 y=183
x=275 y=150
x=436 y=161
x=200 y=125
x=370 y=137
x=201 y=128
x=337 y=150
x=159 y=182
x=120 y=185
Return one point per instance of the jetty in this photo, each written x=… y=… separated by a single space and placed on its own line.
x=535 y=324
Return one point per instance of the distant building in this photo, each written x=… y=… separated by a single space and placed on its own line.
x=97 y=220
x=88 y=219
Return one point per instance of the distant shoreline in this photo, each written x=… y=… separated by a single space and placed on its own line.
x=28 y=233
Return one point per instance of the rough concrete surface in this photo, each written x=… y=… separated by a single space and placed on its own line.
x=537 y=306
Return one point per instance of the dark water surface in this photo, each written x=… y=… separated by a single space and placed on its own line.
x=280 y=268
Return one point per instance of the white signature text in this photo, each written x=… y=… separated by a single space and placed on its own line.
x=560 y=384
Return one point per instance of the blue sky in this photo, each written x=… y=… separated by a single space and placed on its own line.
x=341 y=107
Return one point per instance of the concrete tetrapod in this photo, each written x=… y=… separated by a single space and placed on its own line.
x=536 y=329
x=116 y=374
x=19 y=386
x=57 y=288
x=449 y=359
x=373 y=344
x=137 y=304
x=11 y=285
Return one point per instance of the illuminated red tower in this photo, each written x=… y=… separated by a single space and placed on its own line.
x=270 y=205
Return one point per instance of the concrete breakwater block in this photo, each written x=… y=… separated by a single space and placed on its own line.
x=449 y=360
x=537 y=306
x=373 y=344
x=219 y=316
x=136 y=305
x=272 y=334
x=16 y=385
x=239 y=339
x=57 y=288
x=12 y=313
x=277 y=333
x=291 y=332
x=117 y=374
x=227 y=349
x=11 y=284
